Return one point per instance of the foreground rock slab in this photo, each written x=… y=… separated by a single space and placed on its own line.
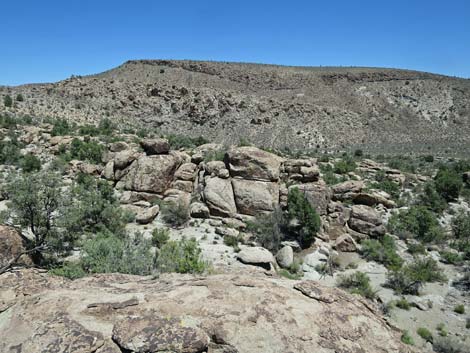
x=182 y=313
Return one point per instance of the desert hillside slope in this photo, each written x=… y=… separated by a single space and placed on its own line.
x=378 y=110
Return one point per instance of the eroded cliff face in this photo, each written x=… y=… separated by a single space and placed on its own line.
x=380 y=110
x=177 y=313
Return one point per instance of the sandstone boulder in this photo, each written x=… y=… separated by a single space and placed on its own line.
x=318 y=194
x=187 y=172
x=147 y=215
x=218 y=195
x=253 y=163
x=11 y=245
x=151 y=173
x=374 y=198
x=366 y=213
x=257 y=256
x=155 y=146
x=285 y=256
x=347 y=189
x=345 y=243
x=254 y=197
x=199 y=210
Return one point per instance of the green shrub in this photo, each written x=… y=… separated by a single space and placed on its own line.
x=183 y=256
x=448 y=184
x=417 y=221
x=345 y=165
x=430 y=198
x=441 y=328
x=268 y=229
x=30 y=163
x=390 y=187
x=8 y=101
x=383 y=251
x=329 y=176
x=90 y=151
x=10 y=151
x=357 y=283
x=160 y=237
x=178 y=141
x=358 y=153
x=407 y=339
x=403 y=163
x=231 y=240
x=175 y=213
x=70 y=270
x=449 y=345
x=289 y=275
x=106 y=127
x=451 y=257
x=107 y=253
x=218 y=155
x=416 y=249
x=402 y=303
x=19 y=97
x=425 y=334
x=461 y=225
x=62 y=127
x=459 y=309
x=411 y=277
x=303 y=219
x=94 y=208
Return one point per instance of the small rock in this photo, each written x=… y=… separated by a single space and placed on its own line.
x=285 y=256
x=147 y=215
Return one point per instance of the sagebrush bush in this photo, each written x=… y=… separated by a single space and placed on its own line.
x=30 y=163
x=407 y=339
x=62 y=127
x=90 y=151
x=459 y=309
x=183 y=256
x=410 y=278
x=357 y=283
x=107 y=253
x=449 y=345
x=383 y=251
x=425 y=334
x=418 y=222
x=345 y=165
x=175 y=213
x=431 y=199
x=160 y=237
x=268 y=229
x=8 y=101
x=179 y=141
x=461 y=225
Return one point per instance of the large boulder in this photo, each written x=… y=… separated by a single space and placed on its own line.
x=179 y=313
x=218 y=195
x=152 y=173
x=374 y=198
x=155 y=146
x=347 y=189
x=187 y=172
x=199 y=210
x=366 y=220
x=345 y=243
x=318 y=195
x=12 y=245
x=366 y=213
x=257 y=256
x=253 y=197
x=253 y=163
x=147 y=215
x=285 y=256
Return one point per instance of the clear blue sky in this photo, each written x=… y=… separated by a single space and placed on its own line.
x=44 y=41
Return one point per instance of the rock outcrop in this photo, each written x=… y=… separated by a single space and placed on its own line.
x=176 y=313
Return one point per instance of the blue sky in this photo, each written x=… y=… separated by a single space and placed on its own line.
x=43 y=41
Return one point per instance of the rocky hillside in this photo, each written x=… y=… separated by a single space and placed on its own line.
x=237 y=248
x=378 y=110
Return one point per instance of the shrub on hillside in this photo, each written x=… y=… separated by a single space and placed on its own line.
x=357 y=283
x=7 y=101
x=160 y=237
x=302 y=217
x=107 y=253
x=430 y=198
x=461 y=225
x=19 y=97
x=183 y=256
x=269 y=229
x=383 y=251
x=175 y=213
x=178 y=141
x=345 y=165
x=30 y=163
x=410 y=278
x=62 y=127
x=90 y=151
x=448 y=183
x=417 y=221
